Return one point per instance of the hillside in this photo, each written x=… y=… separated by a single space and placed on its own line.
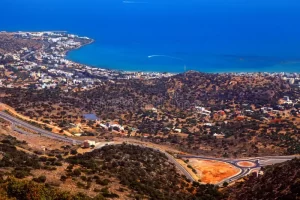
x=246 y=111
x=10 y=45
x=281 y=181
x=119 y=172
x=13 y=189
x=145 y=171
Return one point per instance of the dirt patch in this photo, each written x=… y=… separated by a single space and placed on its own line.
x=12 y=111
x=36 y=142
x=246 y=164
x=212 y=171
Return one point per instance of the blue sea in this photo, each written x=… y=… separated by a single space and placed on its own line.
x=203 y=35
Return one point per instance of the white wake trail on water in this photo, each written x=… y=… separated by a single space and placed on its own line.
x=166 y=56
x=135 y=2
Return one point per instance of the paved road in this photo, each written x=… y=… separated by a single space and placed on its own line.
x=51 y=135
x=43 y=132
x=258 y=162
x=179 y=166
x=20 y=130
x=243 y=170
x=27 y=55
x=45 y=46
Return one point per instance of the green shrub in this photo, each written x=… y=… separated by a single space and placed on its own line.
x=40 y=179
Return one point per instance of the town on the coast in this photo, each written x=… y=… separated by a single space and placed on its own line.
x=40 y=63
x=37 y=61
x=109 y=133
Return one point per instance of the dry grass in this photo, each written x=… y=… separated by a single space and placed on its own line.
x=12 y=111
x=35 y=142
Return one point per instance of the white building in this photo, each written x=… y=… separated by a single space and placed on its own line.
x=286 y=98
x=178 y=130
x=292 y=81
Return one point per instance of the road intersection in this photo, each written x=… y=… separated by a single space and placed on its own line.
x=256 y=162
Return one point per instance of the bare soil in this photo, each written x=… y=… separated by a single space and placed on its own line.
x=212 y=171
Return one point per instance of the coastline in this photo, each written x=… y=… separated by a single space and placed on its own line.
x=106 y=68
x=68 y=51
x=79 y=63
x=84 y=43
x=234 y=70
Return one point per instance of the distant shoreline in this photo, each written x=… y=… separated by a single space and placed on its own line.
x=67 y=57
x=150 y=71
x=88 y=65
x=106 y=68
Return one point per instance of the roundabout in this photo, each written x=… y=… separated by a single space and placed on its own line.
x=246 y=164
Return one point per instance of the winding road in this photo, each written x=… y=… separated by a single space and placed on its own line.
x=257 y=162
x=18 y=122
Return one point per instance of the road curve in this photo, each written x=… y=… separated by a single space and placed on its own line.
x=43 y=132
x=169 y=156
x=258 y=161
x=51 y=135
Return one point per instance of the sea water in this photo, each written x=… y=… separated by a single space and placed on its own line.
x=202 y=35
